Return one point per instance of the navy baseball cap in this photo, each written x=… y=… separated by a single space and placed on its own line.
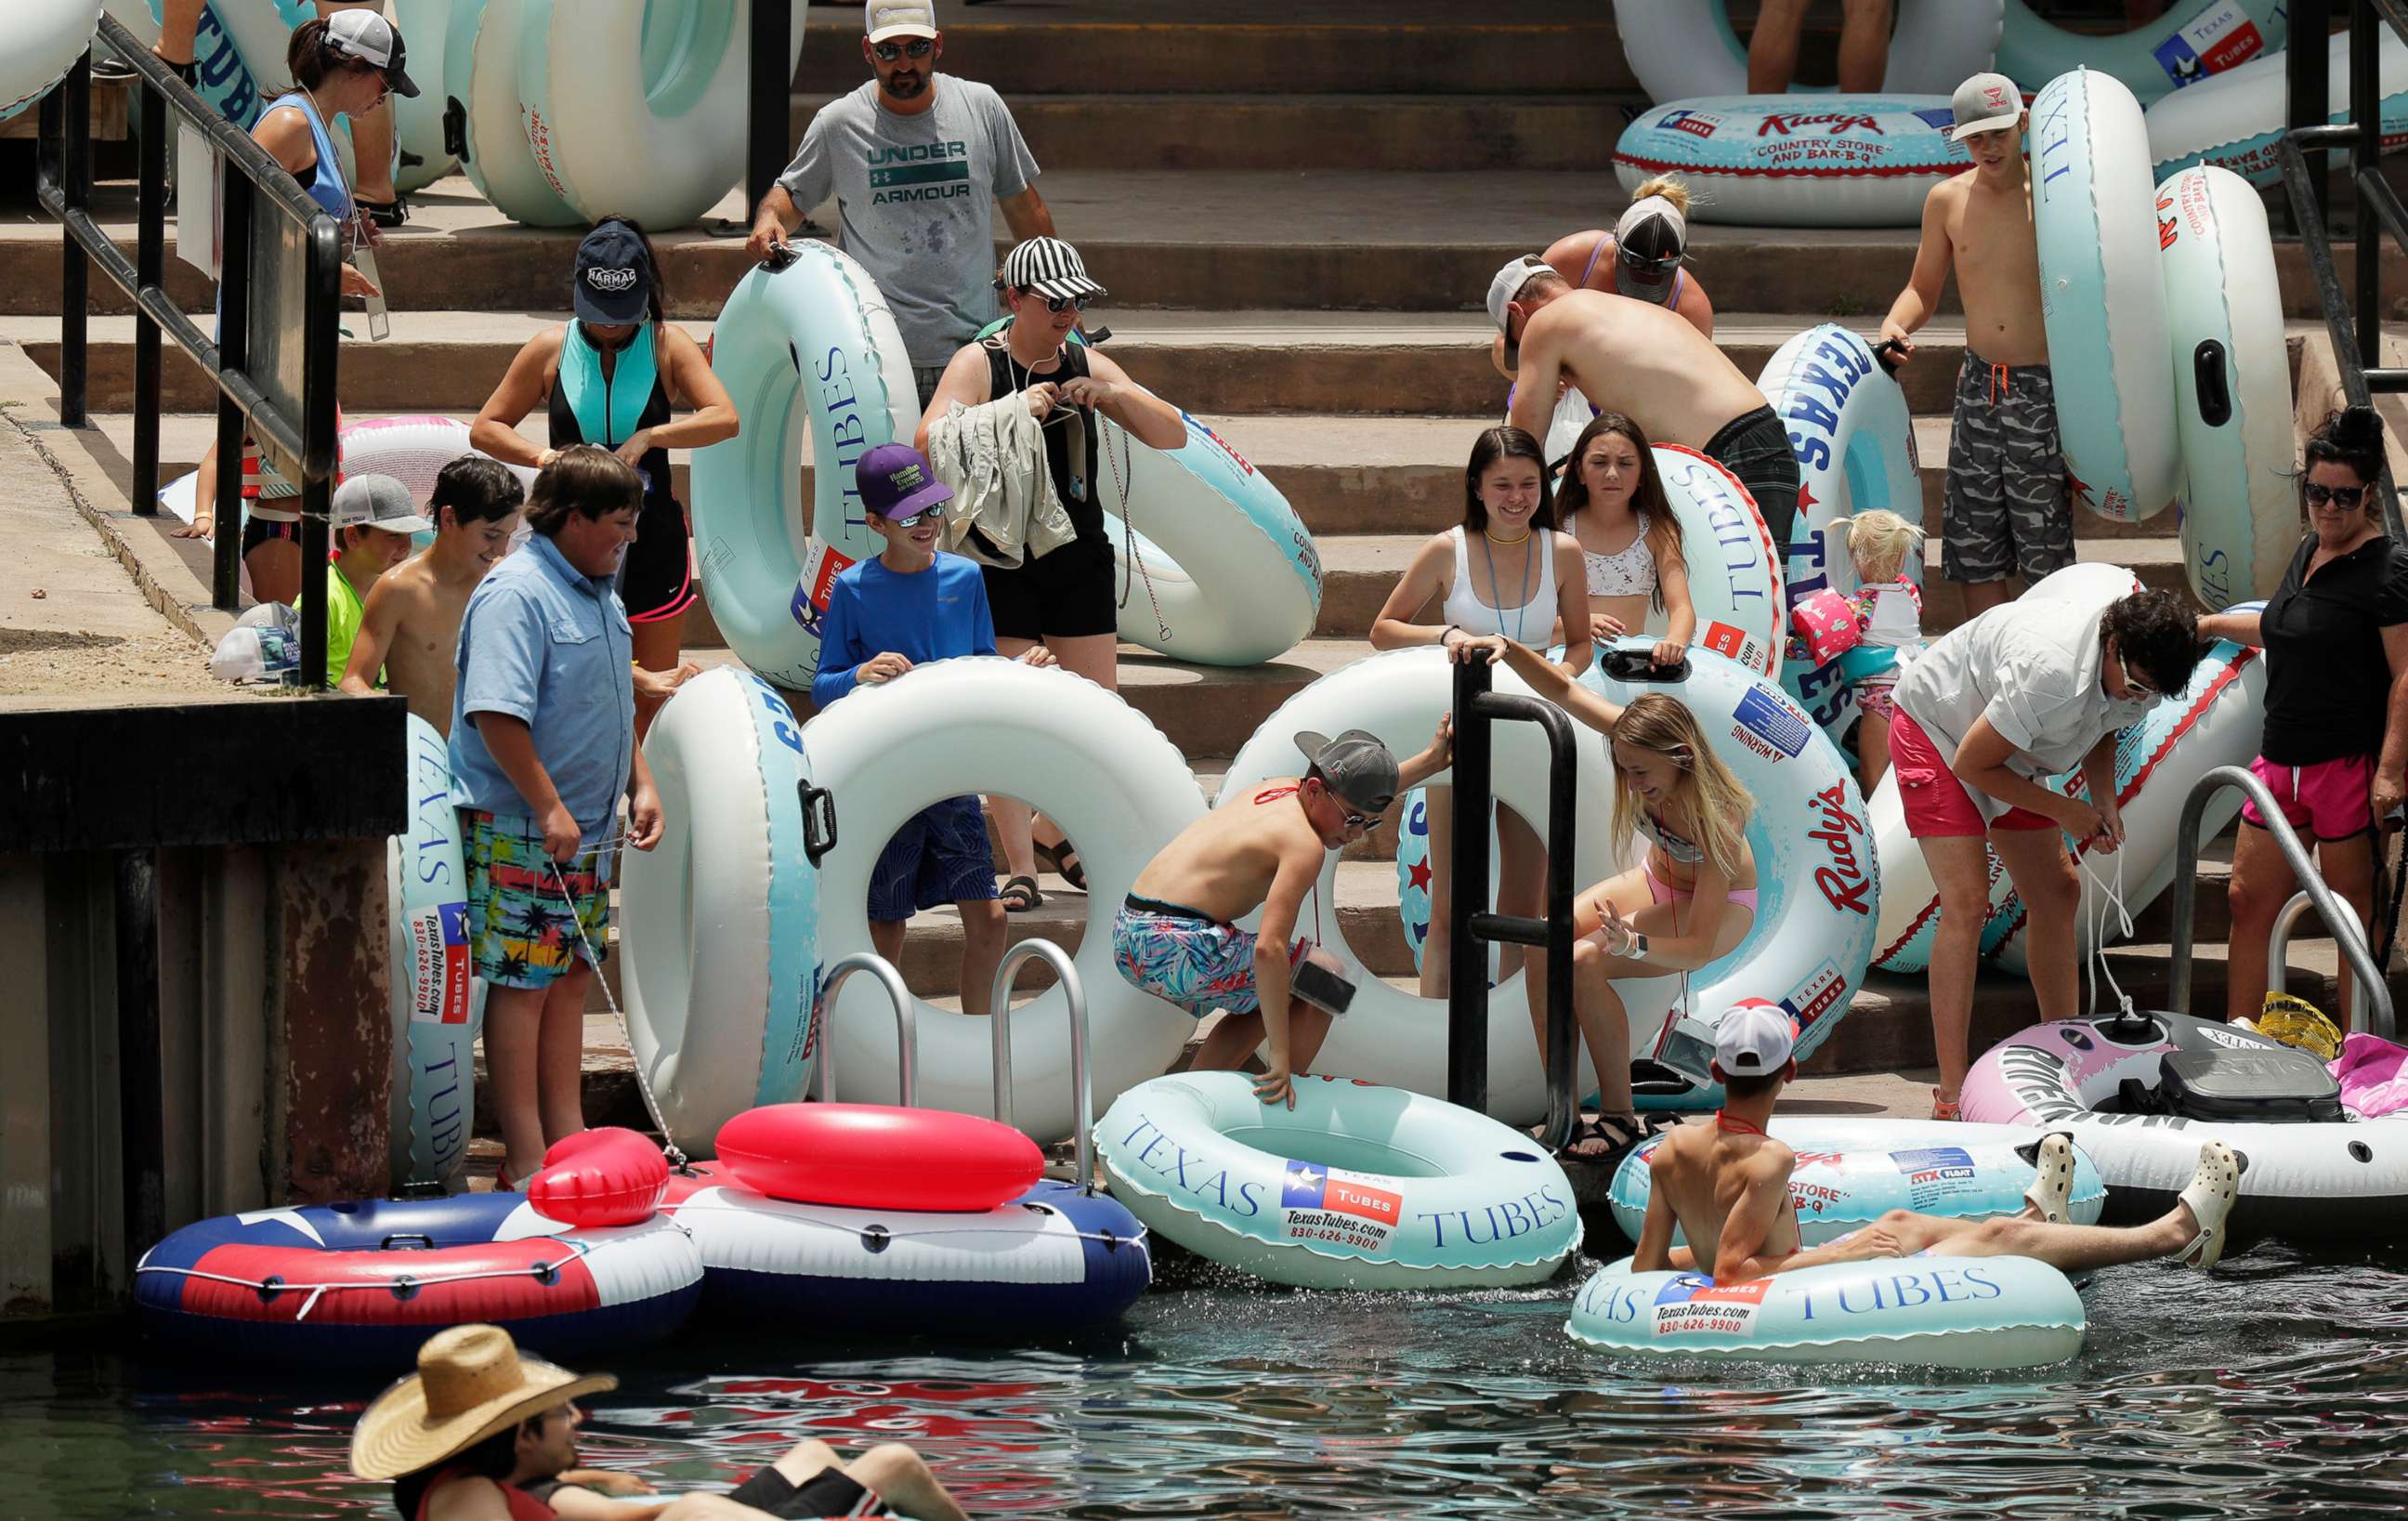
x=897 y=483
x=614 y=277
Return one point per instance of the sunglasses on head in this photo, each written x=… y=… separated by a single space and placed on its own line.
x=2318 y=493
x=889 y=51
x=1059 y=304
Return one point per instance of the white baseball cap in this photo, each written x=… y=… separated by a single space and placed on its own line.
x=1753 y=1038
x=884 y=18
x=1507 y=283
x=1983 y=103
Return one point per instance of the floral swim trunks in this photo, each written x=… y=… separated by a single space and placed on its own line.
x=526 y=933
x=1188 y=958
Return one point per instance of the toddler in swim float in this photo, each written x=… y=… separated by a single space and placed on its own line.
x=1889 y=622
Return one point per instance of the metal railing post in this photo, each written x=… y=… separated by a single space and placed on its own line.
x=233 y=356
x=2366 y=154
x=772 y=84
x=150 y=270
x=68 y=110
x=1467 y=1007
x=2307 y=75
x=322 y=332
x=907 y=1025
x=999 y=1020
x=2278 y=951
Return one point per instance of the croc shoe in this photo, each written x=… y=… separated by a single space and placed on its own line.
x=2052 y=1187
x=2210 y=1195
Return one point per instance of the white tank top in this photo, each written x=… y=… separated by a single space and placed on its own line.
x=1532 y=623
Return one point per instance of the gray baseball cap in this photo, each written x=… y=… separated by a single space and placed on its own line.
x=1359 y=768
x=1983 y=103
x=377 y=501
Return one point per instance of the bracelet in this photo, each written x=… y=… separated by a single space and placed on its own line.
x=1443 y=633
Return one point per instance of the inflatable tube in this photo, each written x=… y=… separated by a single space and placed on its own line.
x=2315 y=1183
x=2194 y=41
x=360 y=1286
x=1817 y=880
x=39 y=41
x=870 y=1156
x=481 y=78
x=1851 y=1173
x=438 y=1002
x=1053 y=1260
x=811 y=345
x=417 y=119
x=1679 y=48
x=609 y=1176
x=1855 y=442
x=1979 y=1313
x=1357 y=1187
x=719 y=923
x=2235 y=119
x=1074 y=752
x=2216 y=720
x=1227 y=574
x=654 y=132
x=1779 y=161
x=2102 y=299
x=2232 y=386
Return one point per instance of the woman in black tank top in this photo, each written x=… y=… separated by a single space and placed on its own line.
x=1066 y=600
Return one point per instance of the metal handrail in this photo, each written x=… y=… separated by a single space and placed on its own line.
x=999 y=1019
x=2330 y=908
x=2278 y=947
x=907 y=1025
x=63 y=187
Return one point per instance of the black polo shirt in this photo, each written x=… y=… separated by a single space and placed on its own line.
x=2327 y=681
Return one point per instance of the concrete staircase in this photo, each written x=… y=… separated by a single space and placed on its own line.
x=1296 y=214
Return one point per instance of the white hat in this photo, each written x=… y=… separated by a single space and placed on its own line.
x=1754 y=1037
x=1508 y=283
x=1983 y=103
x=884 y=18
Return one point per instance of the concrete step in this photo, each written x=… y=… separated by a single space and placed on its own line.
x=1532 y=131
x=1310 y=364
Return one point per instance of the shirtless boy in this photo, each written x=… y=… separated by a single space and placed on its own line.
x=1647 y=362
x=410 y=626
x=1726 y=1187
x=1176 y=936
x=2007 y=509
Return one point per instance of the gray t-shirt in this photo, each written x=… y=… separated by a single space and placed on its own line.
x=915 y=201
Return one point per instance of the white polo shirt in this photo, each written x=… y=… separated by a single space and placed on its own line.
x=2032 y=668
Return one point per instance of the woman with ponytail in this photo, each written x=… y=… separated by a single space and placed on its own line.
x=2335 y=749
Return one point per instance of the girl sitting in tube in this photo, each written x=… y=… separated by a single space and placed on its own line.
x=1505 y=573
x=1688 y=900
x=1611 y=502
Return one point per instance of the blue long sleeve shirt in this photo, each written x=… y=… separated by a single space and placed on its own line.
x=931 y=614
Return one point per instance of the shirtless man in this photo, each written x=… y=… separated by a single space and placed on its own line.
x=2007 y=507
x=410 y=626
x=1646 y=361
x=1176 y=936
x=1726 y=1187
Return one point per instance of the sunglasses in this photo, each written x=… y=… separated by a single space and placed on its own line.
x=1650 y=268
x=889 y=51
x=2344 y=497
x=2134 y=687
x=932 y=514
x=1057 y=304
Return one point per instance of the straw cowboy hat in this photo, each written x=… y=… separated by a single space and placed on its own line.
x=470 y=1383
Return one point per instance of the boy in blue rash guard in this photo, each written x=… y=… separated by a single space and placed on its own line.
x=908 y=607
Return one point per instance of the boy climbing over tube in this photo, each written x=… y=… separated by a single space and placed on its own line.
x=908 y=607
x=1726 y=1187
x=410 y=624
x=1176 y=936
x=2008 y=509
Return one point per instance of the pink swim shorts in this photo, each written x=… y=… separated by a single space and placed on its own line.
x=2326 y=801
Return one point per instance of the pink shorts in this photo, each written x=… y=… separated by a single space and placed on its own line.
x=1938 y=806
x=2326 y=800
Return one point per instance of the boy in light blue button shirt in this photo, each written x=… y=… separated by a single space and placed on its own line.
x=543 y=746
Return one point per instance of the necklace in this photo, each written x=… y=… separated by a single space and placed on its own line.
x=1728 y=1126
x=1494 y=540
x=1521 y=608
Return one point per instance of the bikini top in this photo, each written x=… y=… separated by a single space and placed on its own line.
x=1629 y=571
x=1533 y=620
x=1680 y=852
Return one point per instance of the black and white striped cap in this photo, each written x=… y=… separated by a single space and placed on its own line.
x=1049 y=266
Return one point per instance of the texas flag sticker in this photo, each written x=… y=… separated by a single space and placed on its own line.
x=1307 y=1186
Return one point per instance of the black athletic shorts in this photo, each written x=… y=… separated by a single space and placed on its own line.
x=656 y=576
x=1064 y=595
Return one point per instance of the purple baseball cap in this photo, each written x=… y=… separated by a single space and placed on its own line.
x=896 y=482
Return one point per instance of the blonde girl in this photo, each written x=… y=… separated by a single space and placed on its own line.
x=1611 y=502
x=1889 y=623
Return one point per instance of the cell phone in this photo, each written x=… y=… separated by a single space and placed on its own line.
x=1687 y=1047
x=379 y=323
x=1317 y=986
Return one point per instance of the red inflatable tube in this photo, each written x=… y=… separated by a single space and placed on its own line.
x=873 y=1156
x=610 y=1176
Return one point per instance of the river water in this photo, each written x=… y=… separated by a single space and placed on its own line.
x=2278 y=1389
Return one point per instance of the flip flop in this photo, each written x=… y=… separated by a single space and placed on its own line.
x=2210 y=1195
x=1062 y=859
x=2052 y=1187
x=1020 y=894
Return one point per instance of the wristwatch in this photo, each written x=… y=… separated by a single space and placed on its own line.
x=1638 y=945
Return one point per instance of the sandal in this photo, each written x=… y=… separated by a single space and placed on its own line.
x=1062 y=859
x=2210 y=1193
x=2052 y=1188
x=1614 y=1133
x=1946 y=1109
x=1020 y=894
x=392 y=213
